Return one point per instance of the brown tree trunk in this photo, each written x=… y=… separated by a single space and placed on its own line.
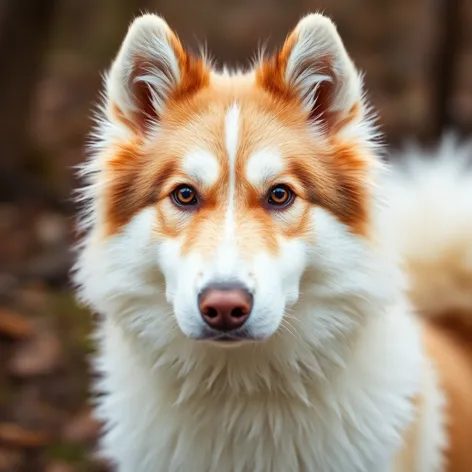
x=445 y=67
x=24 y=31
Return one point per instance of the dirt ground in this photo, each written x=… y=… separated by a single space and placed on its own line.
x=45 y=420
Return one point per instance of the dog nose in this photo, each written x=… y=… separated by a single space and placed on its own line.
x=225 y=308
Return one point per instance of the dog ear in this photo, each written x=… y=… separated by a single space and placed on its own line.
x=150 y=69
x=314 y=68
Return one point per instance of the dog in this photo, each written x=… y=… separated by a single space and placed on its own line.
x=273 y=296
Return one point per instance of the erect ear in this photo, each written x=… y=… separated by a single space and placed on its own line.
x=314 y=68
x=150 y=69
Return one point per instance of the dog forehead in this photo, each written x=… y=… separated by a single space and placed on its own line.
x=211 y=144
x=238 y=151
x=234 y=132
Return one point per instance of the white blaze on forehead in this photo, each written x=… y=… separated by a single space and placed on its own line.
x=263 y=165
x=202 y=166
x=232 y=142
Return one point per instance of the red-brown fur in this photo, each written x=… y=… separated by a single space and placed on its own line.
x=330 y=174
x=451 y=351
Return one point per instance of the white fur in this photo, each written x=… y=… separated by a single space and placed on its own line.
x=263 y=165
x=203 y=167
x=231 y=141
x=309 y=398
x=328 y=388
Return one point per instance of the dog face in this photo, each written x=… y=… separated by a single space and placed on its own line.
x=214 y=193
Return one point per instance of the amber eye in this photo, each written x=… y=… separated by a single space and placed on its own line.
x=280 y=196
x=184 y=196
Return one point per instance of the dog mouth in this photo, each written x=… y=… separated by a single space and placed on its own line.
x=227 y=338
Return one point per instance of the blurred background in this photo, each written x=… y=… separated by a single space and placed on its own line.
x=417 y=56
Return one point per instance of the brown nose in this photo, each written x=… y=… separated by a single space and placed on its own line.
x=225 y=308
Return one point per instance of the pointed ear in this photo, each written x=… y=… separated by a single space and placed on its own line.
x=314 y=68
x=150 y=69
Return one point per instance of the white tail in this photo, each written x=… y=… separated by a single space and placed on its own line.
x=429 y=223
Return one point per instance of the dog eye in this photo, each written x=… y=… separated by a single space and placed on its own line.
x=184 y=196
x=280 y=196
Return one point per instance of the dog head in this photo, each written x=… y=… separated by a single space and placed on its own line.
x=216 y=196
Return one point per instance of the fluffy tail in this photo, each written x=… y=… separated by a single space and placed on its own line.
x=429 y=220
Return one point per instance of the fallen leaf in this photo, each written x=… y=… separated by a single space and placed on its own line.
x=51 y=228
x=14 y=325
x=14 y=435
x=32 y=296
x=40 y=354
x=82 y=428
x=10 y=459
x=59 y=466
